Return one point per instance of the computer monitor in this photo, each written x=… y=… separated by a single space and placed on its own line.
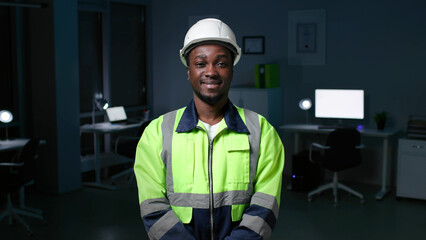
x=116 y=114
x=339 y=103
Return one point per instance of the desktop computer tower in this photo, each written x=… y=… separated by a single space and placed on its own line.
x=305 y=175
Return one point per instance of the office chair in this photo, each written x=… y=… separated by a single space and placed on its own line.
x=126 y=146
x=342 y=151
x=14 y=176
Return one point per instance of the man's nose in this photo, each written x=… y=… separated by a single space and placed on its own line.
x=210 y=71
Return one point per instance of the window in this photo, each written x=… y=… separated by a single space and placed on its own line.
x=128 y=71
x=90 y=58
x=6 y=73
x=112 y=60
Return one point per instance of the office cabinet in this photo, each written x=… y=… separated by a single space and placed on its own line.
x=411 y=173
x=265 y=101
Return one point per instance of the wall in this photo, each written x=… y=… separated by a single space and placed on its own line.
x=378 y=46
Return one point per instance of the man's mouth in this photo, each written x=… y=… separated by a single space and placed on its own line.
x=211 y=83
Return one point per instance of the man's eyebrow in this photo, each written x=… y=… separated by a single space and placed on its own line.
x=219 y=56
x=200 y=56
x=222 y=56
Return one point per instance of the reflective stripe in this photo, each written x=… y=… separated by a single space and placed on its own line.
x=266 y=201
x=202 y=200
x=257 y=225
x=167 y=128
x=154 y=205
x=163 y=225
x=232 y=198
x=253 y=125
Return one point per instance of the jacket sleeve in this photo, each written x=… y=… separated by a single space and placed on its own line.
x=159 y=219
x=260 y=217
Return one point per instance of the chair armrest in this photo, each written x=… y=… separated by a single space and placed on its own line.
x=317 y=145
x=7 y=164
x=360 y=146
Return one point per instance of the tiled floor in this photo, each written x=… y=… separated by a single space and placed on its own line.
x=114 y=215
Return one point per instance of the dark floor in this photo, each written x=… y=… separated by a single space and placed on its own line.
x=109 y=215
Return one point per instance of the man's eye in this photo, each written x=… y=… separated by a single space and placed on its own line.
x=200 y=64
x=221 y=64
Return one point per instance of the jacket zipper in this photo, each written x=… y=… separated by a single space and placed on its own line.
x=211 y=205
x=211 y=200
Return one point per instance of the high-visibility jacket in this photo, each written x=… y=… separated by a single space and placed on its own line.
x=192 y=188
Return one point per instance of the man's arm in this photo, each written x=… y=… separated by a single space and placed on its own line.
x=159 y=219
x=260 y=217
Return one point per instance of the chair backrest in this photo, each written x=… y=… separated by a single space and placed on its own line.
x=27 y=156
x=12 y=178
x=343 y=153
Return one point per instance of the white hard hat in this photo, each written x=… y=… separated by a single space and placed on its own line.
x=210 y=30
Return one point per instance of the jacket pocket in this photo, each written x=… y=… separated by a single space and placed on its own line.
x=238 y=159
x=183 y=213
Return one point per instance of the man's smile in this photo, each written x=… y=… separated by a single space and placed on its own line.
x=210 y=83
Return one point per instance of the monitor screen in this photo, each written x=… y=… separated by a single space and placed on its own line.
x=339 y=103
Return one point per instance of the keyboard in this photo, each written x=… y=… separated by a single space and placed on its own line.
x=330 y=126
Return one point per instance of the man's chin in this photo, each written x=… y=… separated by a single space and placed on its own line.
x=210 y=100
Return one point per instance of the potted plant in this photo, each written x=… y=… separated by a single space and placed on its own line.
x=380 y=119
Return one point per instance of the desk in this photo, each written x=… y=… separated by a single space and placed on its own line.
x=15 y=144
x=12 y=144
x=98 y=129
x=384 y=134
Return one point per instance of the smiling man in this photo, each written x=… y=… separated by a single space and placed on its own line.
x=210 y=170
x=210 y=73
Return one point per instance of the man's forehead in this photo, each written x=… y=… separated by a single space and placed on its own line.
x=209 y=48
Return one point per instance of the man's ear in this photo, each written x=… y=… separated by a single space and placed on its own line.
x=187 y=72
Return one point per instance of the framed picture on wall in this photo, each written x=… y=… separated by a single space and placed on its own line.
x=254 y=45
x=306 y=37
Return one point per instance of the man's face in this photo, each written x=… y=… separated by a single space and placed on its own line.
x=210 y=72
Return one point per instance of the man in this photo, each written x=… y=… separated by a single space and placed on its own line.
x=210 y=170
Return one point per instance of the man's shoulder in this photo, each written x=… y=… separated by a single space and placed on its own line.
x=264 y=124
x=247 y=111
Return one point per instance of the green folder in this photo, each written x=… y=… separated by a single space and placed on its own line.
x=266 y=76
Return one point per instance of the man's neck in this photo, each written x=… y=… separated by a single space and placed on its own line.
x=210 y=114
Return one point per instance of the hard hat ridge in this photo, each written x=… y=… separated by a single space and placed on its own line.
x=210 y=30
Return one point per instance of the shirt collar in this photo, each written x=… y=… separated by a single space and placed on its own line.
x=189 y=119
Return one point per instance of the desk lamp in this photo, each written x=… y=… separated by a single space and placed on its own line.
x=99 y=103
x=305 y=104
x=6 y=117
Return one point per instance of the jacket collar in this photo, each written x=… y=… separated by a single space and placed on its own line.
x=189 y=119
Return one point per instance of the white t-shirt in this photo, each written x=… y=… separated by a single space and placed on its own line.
x=211 y=129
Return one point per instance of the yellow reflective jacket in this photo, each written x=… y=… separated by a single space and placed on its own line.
x=193 y=188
